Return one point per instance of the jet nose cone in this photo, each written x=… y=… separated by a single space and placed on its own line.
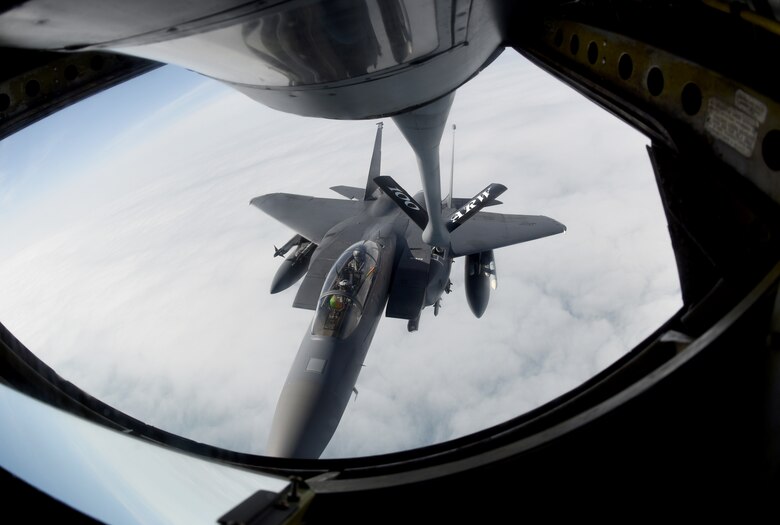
x=306 y=418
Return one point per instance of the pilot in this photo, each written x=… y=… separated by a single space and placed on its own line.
x=357 y=260
x=350 y=274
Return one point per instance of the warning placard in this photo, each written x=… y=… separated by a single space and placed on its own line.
x=750 y=105
x=731 y=125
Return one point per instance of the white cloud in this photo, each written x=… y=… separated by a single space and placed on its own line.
x=155 y=297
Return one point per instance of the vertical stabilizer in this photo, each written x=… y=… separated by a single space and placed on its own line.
x=376 y=163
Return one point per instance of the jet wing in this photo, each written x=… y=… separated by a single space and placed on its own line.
x=488 y=231
x=311 y=217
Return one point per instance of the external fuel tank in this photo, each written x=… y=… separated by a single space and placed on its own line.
x=480 y=278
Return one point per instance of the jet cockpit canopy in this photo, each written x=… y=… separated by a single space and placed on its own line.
x=344 y=293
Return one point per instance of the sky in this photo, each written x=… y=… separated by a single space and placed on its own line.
x=132 y=263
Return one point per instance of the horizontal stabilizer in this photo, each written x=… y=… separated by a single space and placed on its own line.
x=403 y=200
x=471 y=207
x=350 y=192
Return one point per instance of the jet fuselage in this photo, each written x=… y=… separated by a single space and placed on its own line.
x=330 y=357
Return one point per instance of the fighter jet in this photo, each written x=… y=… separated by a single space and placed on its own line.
x=362 y=257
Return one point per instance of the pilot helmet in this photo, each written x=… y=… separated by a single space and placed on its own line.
x=336 y=302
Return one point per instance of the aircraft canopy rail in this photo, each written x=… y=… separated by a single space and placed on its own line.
x=346 y=288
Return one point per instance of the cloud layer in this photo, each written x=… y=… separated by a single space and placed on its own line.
x=154 y=298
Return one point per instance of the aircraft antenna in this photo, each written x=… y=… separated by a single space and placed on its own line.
x=452 y=168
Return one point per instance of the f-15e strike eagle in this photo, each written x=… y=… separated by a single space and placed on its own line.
x=362 y=256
